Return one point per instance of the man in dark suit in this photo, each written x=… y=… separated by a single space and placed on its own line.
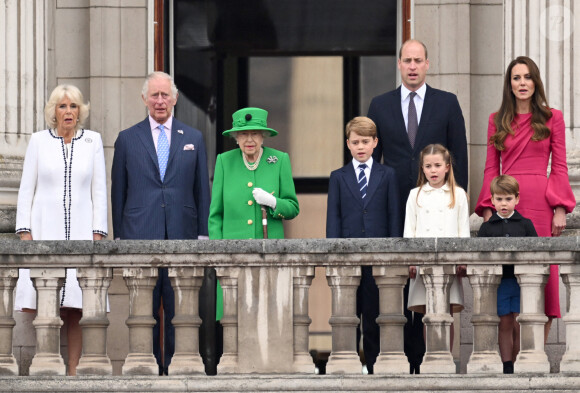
x=363 y=201
x=160 y=190
x=408 y=119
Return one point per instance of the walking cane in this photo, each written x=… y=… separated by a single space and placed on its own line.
x=265 y=222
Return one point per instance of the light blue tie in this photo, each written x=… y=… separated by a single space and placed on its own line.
x=162 y=151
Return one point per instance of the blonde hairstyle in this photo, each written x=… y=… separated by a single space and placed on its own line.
x=161 y=75
x=504 y=184
x=539 y=106
x=362 y=125
x=74 y=94
x=449 y=178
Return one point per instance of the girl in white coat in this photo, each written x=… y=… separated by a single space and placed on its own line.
x=436 y=208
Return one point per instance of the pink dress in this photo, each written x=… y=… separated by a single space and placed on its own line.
x=527 y=161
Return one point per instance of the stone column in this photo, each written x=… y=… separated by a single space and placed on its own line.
x=532 y=280
x=228 y=277
x=343 y=282
x=8 y=365
x=95 y=285
x=140 y=360
x=438 y=320
x=391 y=281
x=484 y=280
x=47 y=323
x=186 y=282
x=571 y=360
x=302 y=360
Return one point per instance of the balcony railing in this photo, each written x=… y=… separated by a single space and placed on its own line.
x=266 y=318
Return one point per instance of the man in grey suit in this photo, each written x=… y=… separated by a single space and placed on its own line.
x=160 y=190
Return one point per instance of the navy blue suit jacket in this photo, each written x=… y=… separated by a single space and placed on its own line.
x=441 y=122
x=143 y=206
x=377 y=215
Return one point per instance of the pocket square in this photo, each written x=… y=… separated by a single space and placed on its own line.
x=189 y=146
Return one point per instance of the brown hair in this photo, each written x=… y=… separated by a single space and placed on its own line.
x=449 y=178
x=504 y=184
x=362 y=125
x=506 y=113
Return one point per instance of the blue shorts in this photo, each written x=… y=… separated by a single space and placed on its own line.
x=508 y=297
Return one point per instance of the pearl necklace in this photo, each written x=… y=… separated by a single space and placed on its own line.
x=254 y=166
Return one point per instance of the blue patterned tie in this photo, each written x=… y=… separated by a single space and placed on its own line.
x=362 y=180
x=162 y=151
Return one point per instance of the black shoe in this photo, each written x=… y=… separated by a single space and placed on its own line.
x=508 y=367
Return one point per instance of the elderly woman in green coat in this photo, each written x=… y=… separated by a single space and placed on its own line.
x=251 y=178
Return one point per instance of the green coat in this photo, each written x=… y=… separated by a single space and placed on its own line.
x=233 y=213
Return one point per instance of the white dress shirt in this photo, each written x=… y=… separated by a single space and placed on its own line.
x=155 y=130
x=419 y=100
x=367 y=170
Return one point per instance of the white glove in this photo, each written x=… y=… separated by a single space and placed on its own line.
x=263 y=198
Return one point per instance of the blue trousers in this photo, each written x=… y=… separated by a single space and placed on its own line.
x=163 y=292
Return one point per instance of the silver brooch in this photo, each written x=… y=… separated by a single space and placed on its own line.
x=88 y=140
x=180 y=131
x=272 y=159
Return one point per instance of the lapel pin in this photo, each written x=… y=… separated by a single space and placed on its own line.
x=180 y=131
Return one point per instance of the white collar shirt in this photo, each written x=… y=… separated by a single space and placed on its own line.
x=367 y=170
x=419 y=100
x=155 y=130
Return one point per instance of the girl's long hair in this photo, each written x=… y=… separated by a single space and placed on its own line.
x=539 y=106
x=449 y=177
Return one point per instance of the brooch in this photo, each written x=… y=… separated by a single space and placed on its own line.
x=272 y=160
x=180 y=131
x=88 y=140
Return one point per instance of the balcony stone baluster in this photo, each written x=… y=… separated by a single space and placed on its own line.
x=532 y=280
x=228 y=277
x=438 y=320
x=302 y=360
x=95 y=285
x=186 y=282
x=343 y=283
x=571 y=360
x=47 y=323
x=140 y=360
x=484 y=280
x=391 y=281
x=8 y=278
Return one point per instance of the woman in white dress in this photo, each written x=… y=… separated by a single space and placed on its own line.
x=62 y=196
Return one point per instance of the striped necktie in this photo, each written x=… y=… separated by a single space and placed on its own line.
x=162 y=151
x=362 y=180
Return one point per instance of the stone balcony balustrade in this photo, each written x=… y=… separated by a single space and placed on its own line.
x=265 y=285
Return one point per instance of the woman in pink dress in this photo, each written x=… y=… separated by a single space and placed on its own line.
x=521 y=137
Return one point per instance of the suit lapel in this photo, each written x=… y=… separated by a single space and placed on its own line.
x=397 y=114
x=425 y=115
x=176 y=144
x=351 y=180
x=377 y=172
x=144 y=134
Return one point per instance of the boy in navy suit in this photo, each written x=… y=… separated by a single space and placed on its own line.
x=363 y=201
x=507 y=222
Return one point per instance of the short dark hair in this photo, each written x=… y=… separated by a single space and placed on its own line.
x=504 y=184
x=362 y=125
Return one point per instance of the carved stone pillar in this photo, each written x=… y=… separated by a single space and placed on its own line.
x=95 y=285
x=47 y=323
x=391 y=281
x=186 y=282
x=532 y=280
x=343 y=282
x=438 y=320
x=8 y=365
x=302 y=360
x=485 y=357
x=140 y=360
x=571 y=359
x=228 y=277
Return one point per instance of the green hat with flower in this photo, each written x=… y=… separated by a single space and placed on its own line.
x=250 y=119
